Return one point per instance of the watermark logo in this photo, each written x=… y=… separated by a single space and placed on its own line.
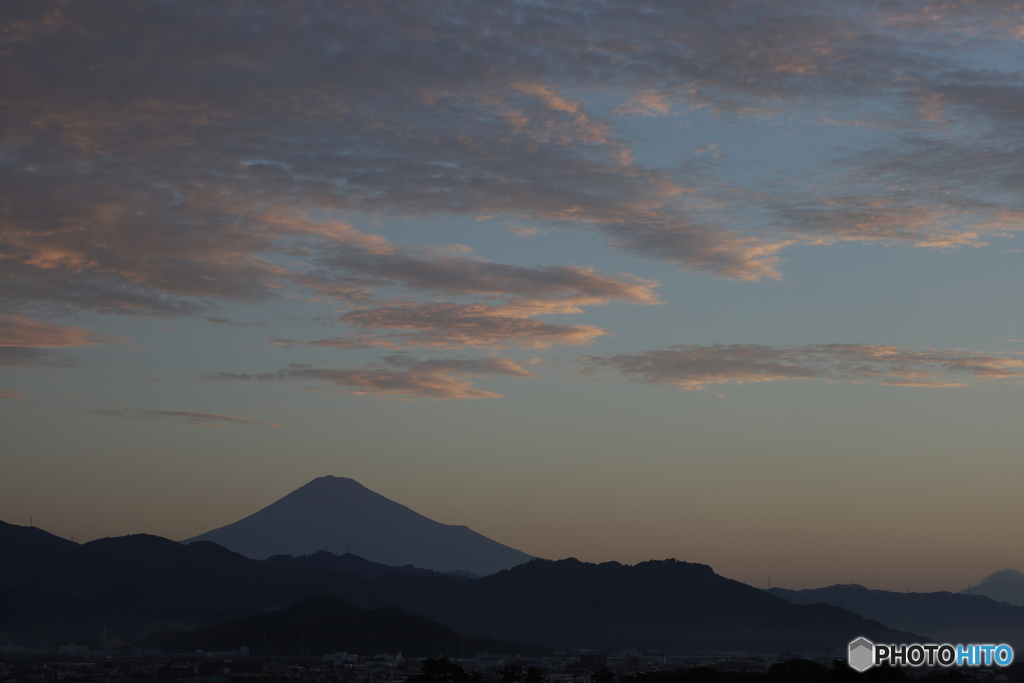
x=863 y=654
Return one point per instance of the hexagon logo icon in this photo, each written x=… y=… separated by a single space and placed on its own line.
x=861 y=655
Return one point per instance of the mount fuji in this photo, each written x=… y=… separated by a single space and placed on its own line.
x=337 y=513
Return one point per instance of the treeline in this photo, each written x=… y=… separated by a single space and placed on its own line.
x=792 y=671
x=795 y=671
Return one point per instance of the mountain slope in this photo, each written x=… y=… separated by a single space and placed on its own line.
x=336 y=513
x=1002 y=586
x=665 y=604
x=12 y=535
x=322 y=624
x=138 y=584
x=942 y=616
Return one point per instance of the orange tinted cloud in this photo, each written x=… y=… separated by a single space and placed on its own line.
x=153 y=179
x=7 y=393
x=696 y=367
x=524 y=292
x=27 y=343
x=400 y=377
x=448 y=325
x=17 y=331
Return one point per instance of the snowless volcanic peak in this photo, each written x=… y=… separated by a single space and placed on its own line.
x=341 y=515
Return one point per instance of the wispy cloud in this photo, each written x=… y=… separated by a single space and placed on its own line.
x=24 y=357
x=522 y=231
x=160 y=158
x=227 y=322
x=355 y=262
x=17 y=331
x=198 y=419
x=27 y=343
x=448 y=325
x=399 y=377
x=696 y=367
x=143 y=186
x=351 y=263
x=7 y=393
x=452 y=326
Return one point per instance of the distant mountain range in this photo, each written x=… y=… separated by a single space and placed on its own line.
x=668 y=605
x=1002 y=586
x=336 y=513
x=52 y=589
x=942 y=616
x=436 y=583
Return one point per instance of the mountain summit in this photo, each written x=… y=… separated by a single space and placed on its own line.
x=1002 y=586
x=341 y=514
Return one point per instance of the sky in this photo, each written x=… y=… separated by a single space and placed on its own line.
x=737 y=283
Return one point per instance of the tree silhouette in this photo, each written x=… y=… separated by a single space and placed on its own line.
x=444 y=671
x=533 y=675
x=510 y=674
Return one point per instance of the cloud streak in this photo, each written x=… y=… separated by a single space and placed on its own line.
x=16 y=331
x=192 y=418
x=368 y=261
x=697 y=367
x=398 y=377
x=448 y=325
x=453 y=326
x=27 y=343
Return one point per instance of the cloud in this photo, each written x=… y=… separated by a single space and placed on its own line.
x=369 y=261
x=448 y=325
x=16 y=331
x=696 y=367
x=140 y=186
x=356 y=262
x=198 y=419
x=149 y=148
x=399 y=377
x=227 y=322
x=7 y=393
x=451 y=326
x=26 y=343
x=524 y=231
x=352 y=341
x=24 y=357
x=923 y=188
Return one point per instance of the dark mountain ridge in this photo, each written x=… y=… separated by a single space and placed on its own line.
x=1006 y=585
x=324 y=624
x=943 y=616
x=666 y=604
x=143 y=581
x=13 y=535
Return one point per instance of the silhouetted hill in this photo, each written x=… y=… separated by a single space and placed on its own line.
x=140 y=581
x=1002 y=586
x=35 y=617
x=12 y=535
x=323 y=624
x=942 y=616
x=351 y=563
x=336 y=513
x=662 y=604
x=168 y=575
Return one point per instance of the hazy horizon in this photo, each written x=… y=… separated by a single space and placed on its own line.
x=609 y=280
x=774 y=582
